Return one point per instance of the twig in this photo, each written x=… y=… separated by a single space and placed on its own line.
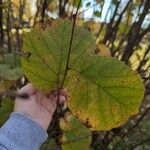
x=70 y=46
x=58 y=110
x=87 y=9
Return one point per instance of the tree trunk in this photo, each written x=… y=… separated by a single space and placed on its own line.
x=134 y=36
x=43 y=10
x=62 y=6
x=8 y=24
x=109 y=28
x=1 y=25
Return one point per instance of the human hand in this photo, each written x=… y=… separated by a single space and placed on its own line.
x=38 y=106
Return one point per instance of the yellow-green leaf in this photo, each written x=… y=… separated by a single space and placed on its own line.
x=49 y=50
x=104 y=92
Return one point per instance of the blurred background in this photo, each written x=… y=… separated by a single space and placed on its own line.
x=121 y=29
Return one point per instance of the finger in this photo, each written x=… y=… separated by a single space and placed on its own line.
x=62 y=99
x=64 y=92
x=46 y=102
x=50 y=105
x=39 y=96
x=53 y=98
x=27 y=89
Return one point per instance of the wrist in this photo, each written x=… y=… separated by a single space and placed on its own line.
x=21 y=130
x=42 y=120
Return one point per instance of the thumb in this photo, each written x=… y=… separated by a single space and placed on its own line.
x=28 y=90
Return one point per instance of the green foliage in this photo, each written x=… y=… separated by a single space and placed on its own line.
x=50 y=144
x=49 y=51
x=11 y=59
x=76 y=135
x=27 y=19
x=88 y=4
x=5 y=109
x=97 y=13
x=75 y=3
x=140 y=135
x=9 y=73
x=10 y=67
x=5 y=84
x=104 y=92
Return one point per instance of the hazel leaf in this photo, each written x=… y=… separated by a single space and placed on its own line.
x=104 y=92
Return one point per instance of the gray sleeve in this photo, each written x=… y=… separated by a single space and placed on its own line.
x=20 y=132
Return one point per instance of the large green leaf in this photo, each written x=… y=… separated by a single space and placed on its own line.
x=104 y=92
x=76 y=135
x=49 y=51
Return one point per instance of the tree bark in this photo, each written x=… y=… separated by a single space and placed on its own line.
x=8 y=24
x=62 y=6
x=1 y=25
x=116 y=26
x=109 y=27
x=43 y=10
x=134 y=35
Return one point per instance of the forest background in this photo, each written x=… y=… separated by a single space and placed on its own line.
x=121 y=29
